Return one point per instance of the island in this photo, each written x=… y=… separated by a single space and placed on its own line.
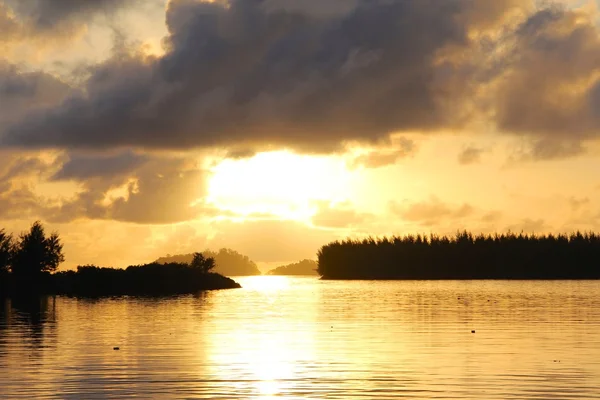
x=464 y=256
x=28 y=266
x=304 y=267
x=141 y=280
x=228 y=262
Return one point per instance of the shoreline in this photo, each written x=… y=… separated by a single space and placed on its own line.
x=108 y=282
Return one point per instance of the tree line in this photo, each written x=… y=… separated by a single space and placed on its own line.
x=304 y=267
x=464 y=256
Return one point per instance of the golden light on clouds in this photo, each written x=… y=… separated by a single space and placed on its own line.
x=280 y=183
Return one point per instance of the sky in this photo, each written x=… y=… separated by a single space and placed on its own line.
x=139 y=128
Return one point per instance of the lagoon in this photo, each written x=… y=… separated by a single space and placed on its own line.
x=300 y=337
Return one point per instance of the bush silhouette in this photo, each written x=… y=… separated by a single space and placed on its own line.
x=143 y=280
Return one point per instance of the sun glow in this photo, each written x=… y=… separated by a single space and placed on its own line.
x=280 y=184
x=266 y=283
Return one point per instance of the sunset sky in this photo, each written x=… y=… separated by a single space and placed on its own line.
x=137 y=128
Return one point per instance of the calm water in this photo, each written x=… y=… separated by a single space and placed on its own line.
x=305 y=338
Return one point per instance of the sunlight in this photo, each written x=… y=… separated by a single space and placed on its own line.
x=278 y=183
x=265 y=283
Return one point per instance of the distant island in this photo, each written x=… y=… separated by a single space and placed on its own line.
x=464 y=256
x=304 y=267
x=228 y=262
x=28 y=266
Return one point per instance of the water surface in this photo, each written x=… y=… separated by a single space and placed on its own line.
x=304 y=338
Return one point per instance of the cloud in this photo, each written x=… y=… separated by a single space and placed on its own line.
x=127 y=187
x=548 y=149
x=81 y=167
x=339 y=216
x=549 y=87
x=18 y=202
x=317 y=8
x=18 y=166
x=430 y=212
x=41 y=19
x=491 y=217
x=157 y=190
x=18 y=174
x=529 y=225
x=383 y=157
x=313 y=76
x=243 y=74
x=22 y=91
x=578 y=203
x=470 y=155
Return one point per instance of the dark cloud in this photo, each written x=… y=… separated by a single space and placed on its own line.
x=549 y=87
x=470 y=155
x=22 y=91
x=317 y=8
x=44 y=19
x=84 y=167
x=240 y=74
x=8 y=25
x=314 y=75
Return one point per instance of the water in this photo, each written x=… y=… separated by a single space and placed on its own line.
x=305 y=338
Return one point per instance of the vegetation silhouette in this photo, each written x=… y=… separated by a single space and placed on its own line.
x=5 y=253
x=464 y=256
x=228 y=262
x=304 y=267
x=26 y=263
x=28 y=268
x=140 y=280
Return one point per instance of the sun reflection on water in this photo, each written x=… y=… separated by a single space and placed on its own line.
x=269 y=345
x=266 y=283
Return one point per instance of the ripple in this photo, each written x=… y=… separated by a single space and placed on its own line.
x=305 y=338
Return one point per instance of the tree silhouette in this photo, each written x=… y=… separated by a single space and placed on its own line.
x=35 y=254
x=6 y=244
x=464 y=256
x=205 y=264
